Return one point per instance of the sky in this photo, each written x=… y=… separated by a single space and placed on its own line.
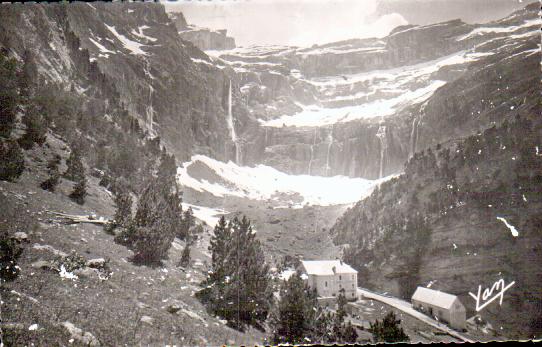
x=308 y=22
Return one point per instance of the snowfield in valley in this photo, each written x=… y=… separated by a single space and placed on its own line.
x=263 y=182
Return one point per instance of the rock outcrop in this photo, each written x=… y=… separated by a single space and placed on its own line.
x=207 y=39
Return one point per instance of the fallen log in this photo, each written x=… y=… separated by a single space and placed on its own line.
x=75 y=219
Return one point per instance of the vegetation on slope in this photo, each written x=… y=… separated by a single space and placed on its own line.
x=401 y=236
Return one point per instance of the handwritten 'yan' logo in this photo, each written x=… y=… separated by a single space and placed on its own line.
x=487 y=296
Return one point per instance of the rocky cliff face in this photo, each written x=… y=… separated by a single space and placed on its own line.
x=472 y=181
x=163 y=81
x=462 y=215
x=207 y=39
x=203 y=38
x=362 y=107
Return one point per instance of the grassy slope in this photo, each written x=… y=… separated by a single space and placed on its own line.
x=110 y=310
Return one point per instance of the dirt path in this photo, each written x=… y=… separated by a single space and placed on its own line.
x=407 y=308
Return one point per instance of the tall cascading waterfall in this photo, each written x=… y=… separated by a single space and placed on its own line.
x=232 y=127
x=312 y=151
x=330 y=139
x=381 y=135
x=413 y=137
x=150 y=112
x=150 y=109
x=415 y=134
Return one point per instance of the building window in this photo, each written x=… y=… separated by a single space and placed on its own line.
x=353 y=285
x=326 y=284
x=352 y=294
x=340 y=278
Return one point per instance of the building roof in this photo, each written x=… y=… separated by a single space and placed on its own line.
x=327 y=267
x=434 y=297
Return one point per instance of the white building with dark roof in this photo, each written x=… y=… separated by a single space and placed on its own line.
x=331 y=277
x=447 y=308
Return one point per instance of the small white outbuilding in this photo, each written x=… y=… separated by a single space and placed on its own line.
x=446 y=308
x=331 y=277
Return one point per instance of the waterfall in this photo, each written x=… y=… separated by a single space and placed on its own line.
x=381 y=134
x=415 y=134
x=238 y=153
x=150 y=112
x=312 y=151
x=330 y=139
x=232 y=127
x=413 y=137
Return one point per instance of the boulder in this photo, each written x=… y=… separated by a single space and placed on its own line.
x=147 y=319
x=42 y=264
x=173 y=308
x=20 y=236
x=96 y=263
x=84 y=337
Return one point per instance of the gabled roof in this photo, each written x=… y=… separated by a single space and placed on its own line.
x=327 y=267
x=434 y=297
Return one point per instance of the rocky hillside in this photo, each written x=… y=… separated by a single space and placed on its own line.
x=159 y=78
x=361 y=107
x=463 y=214
x=122 y=304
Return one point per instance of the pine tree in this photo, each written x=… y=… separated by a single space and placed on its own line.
x=295 y=321
x=75 y=167
x=341 y=306
x=28 y=74
x=388 y=330
x=155 y=223
x=219 y=247
x=35 y=128
x=123 y=202
x=79 y=191
x=185 y=257
x=11 y=160
x=238 y=287
x=349 y=333
x=9 y=97
x=187 y=223
x=54 y=175
x=250 y=284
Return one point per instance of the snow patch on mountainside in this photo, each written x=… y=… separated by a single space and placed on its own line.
x=263 y=182
x=395 y=88
x=501 y=30
x=315 y=116
x=207 y=214
x=133 y=46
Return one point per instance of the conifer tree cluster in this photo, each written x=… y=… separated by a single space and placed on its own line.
x=11 y=155
x=54 y=175
x=299 y=319
x=123 y=201
x=238 y=287
x=76 y=173
x=158 y=216
x=187 y=223
x=388 y=330
x=33 y=118
x=185 y=257
x=9 y=96
x=295 y=319
x=11 y=160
